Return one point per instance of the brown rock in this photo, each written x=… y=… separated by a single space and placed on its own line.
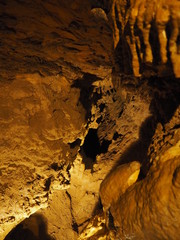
x=150 y=208
x=117 y=182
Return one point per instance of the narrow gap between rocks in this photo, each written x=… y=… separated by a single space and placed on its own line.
x=92 y=147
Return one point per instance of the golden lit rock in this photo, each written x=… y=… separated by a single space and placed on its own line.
x=117 y=182
x=89 y=100
x=141 y=16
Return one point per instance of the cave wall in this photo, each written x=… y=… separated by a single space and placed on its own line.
x=70 y=113
x=45 y=47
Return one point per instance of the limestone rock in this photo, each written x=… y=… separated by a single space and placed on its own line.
x=116 y=183
x=150 y=209
x=34 y=151
x=44 y=49
x=141 y=26
x=67 y=119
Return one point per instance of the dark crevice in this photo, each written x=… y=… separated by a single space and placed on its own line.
x=176 y=126
x=37 y=230
x=74 y=223
x=55 y=166
x=75 y=227
x=120 y=113
x=47 y=184
x=102 y=106
x=104 y=146
x=75 y=144
x=115 y=136
x=99 y=120
x=86 y=89
x=91 y=144
x=93 y=147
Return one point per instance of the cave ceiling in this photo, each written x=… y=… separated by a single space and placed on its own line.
x=89 y=119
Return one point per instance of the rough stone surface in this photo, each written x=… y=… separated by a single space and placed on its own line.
x=144 y=30
x=116 y=183
x=148 y=209
x=67 y=120
x=35 y=117
x=44 y=48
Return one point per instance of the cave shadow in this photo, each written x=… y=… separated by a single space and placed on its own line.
x=85 y=84
x=32 y=228
x=122 y=55
x=165 y=95
x=165 y=99
x=137 y=151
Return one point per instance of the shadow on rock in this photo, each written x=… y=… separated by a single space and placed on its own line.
x=32 y=228
x=165 y=101
x=86 y=87
x=138 y=150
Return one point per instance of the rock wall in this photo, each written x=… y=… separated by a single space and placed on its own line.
x=68 y=119
x=147 y=31
x=149 y=209
x=48 y=49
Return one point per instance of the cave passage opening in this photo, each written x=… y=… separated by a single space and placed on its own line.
x=93 y=147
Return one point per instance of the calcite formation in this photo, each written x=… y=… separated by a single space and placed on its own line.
x=150 y=209
x=69 y=117
x=42 y=116
x=117 y=182
x=140 y=16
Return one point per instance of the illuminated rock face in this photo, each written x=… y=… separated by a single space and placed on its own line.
x=140 y=16
x=36 y=126
x=150 y=209
x=117 y=182
x=44 y=49
x=66 y=121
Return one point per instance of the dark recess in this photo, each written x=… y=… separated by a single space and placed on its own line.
x=47 y=184
x=102 y=106
x=99 y=119
x=92 y=147
x=115 y=136
x=86 y=89
x=23 y=233
x=91 y=144
x=165 y=100
x=75 y=227
x=56 y=167
x=76 y=143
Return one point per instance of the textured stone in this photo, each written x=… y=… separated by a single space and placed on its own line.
x=150 y=210
x=132 y=23
x=44 y=48
x=116 y=183
x=67 y=120
x=37 y=123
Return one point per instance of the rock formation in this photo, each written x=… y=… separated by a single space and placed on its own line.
x=150 y=209
x=143 y=17
x=116 y=183
x=87 y=87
